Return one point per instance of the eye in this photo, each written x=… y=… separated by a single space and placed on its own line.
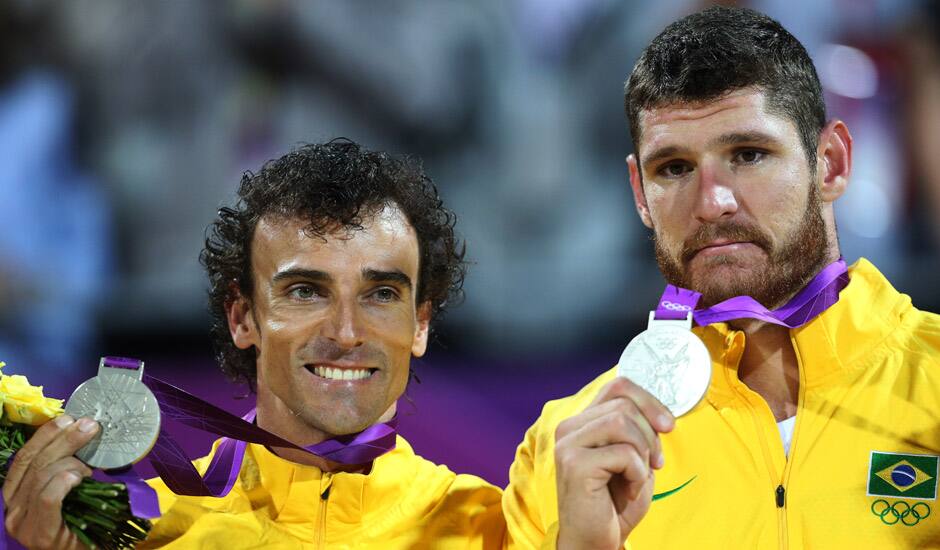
x=385 y=294
x=304 y=292
x=749 y=156
x=674 y=169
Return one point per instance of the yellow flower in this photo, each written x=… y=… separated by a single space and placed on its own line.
x=24 y=403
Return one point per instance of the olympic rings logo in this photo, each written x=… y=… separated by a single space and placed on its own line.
x=900 y=511
x=672 y=306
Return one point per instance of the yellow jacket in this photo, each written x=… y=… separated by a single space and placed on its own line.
x=862 y=469
x=404 y=502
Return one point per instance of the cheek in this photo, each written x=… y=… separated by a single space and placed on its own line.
x=781 y=212
x=396 y=327
x=393 y=331
x=669 y=218
x=666 y=207
x=279 y=335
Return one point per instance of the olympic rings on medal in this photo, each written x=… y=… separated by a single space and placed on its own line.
x=673 y=306
x=900 y=511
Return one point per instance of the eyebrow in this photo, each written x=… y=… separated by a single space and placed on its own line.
x=735 y=138
x=661 y=153
x=298 y=273
x=379 y=276
x=374 y=275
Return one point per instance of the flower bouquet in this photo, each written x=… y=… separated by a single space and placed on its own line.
x=97 y=512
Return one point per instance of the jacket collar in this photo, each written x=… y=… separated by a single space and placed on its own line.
x=868 y=311
x=289 y=487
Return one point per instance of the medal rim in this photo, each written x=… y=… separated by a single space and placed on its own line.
x=705 y=364
x=89 y=460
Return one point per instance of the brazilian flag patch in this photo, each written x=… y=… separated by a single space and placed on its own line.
x=902 y=475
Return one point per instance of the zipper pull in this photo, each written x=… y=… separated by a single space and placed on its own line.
x=780 y=496
x=325 y=485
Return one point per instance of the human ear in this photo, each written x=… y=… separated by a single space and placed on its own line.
x=639 y=197
x=241 y=322
x=834 y=160
x=420 y=342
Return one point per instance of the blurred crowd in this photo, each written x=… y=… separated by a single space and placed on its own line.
x=124 y=125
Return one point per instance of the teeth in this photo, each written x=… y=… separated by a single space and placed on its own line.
x=341 y=374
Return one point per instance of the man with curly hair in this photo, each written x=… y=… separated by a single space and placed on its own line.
x=324 y=280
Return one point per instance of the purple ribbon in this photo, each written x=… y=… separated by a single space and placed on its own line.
x=142 y=497
x=817 y=296
x=178 y=472
x=181 y=477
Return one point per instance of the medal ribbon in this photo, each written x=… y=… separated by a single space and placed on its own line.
x=817 y=296
x=177 y=471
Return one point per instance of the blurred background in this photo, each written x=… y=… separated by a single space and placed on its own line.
x=124 y=125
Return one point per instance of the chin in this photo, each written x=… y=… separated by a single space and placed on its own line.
x=339 y=422
x=724 y=275
x=727 y=282
x=749 y=259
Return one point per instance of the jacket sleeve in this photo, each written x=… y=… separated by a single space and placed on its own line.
x=530 y=512
x=530 y=501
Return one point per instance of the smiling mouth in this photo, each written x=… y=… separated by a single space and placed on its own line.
x=334 y=373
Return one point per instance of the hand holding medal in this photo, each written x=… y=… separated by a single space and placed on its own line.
x=129 y=408
x=605 y=457
x=36 y=444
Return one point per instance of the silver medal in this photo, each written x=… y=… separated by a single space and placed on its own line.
x=125 y=408
x=670 y=362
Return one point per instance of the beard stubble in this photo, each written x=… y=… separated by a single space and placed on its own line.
x=789 y=267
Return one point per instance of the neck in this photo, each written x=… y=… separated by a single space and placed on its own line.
x=274 y=416
x=769 y=365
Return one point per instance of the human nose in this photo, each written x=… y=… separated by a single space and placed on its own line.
x=715 y=199
x=344 y=326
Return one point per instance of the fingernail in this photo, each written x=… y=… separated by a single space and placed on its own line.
x=659 y=461
x=665 y=420
x=74 y=476
x=63 y=420
x=87 y=425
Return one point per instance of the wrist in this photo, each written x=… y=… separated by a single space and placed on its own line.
x=570 y=539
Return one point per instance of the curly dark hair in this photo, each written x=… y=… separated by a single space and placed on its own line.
x=333 y=185
x=719 y=50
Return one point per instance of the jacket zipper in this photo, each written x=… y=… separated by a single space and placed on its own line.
x=779 y=489
x=321 y=511
x=780 y=494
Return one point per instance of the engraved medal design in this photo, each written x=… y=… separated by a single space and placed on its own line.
x=670 y=362
x=125 y=408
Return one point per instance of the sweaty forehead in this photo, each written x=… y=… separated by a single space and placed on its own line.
x=739 y=99
x=386 y=236
x=681 y=124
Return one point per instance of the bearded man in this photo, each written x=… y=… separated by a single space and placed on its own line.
x=823 y=432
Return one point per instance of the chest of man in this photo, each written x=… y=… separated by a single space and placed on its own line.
x=861 y=471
